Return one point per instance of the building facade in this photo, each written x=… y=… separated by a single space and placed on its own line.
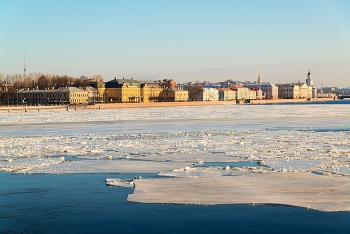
x=294 y=91
x=226 y=94
x=123 y=90
x=210 y=94
x=269 y=90
x=242 y=93
x=60 y=96
x=310 y=83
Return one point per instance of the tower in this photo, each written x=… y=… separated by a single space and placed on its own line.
x=25 y=68
x=309 y=80
x=259 y=77
x=310 y=83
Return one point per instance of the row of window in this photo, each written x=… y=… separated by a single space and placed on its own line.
x=79 y=95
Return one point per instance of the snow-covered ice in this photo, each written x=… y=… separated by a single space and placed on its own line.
x=178 y=141
x=325 y=193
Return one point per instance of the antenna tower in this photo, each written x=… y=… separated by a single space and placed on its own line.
x=25 y=67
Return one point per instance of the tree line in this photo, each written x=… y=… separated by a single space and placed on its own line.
x=42 y=81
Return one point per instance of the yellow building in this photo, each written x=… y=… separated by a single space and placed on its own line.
x=131 y=91
x=123 y=90
x=174 y=95
x=181 y=95
x=76 y=96
x=101 y=90
x=153 y=91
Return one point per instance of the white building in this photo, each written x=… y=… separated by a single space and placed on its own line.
x=310 y=82
x=269 y=90
x=294 y=91
x=210 y=94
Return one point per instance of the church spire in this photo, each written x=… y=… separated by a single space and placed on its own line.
x=259 y=77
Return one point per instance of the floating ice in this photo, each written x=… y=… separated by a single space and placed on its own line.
x=301 y=189
x=191 y=172
x=284 y=138
x=119 y=182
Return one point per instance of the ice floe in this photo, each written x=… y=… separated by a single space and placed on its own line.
x=303 y=189
x=181 y=142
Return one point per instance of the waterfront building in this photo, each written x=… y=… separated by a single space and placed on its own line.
x=101 y=90
x=174 y=95
x=171 y=93
x=60 y=96
x=181 y=95
x=195 y=92
x=123 y=90
x=151 y=90
x=92 y=94
x=226 y=94
x=35 y=97
x=288 y=91
x=305 y=91
x=269 y=90
x=310 y=83
x=210 y=94
x=243 y=93
x=69 y=95
x=294 y=91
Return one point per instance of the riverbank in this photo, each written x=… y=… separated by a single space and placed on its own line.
x=156 y=104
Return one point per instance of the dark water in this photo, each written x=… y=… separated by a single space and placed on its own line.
x=82 y=203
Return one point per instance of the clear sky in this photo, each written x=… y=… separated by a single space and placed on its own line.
x=186 y=40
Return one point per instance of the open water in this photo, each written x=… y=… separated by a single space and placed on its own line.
x=82 y=203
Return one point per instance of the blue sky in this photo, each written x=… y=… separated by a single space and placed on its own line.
x=183 y=40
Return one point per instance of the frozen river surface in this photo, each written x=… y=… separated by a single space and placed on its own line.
x=180 y=141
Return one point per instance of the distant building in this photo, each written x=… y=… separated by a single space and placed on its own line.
x=226 y=94
x=288 y=91
x=195 y=92
x=243 y=94
x=92 y=94
x=101 y=90
x=269 y=90
x=210 y=94
x=294 y=91
x=259 y=93
x=60 y=96
x=123 y=90
x=310 y=83
x=174 y=95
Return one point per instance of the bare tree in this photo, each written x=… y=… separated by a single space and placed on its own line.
x=43 y=82
x=96 y=78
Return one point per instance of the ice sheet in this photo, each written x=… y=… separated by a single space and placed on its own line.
x=325 y=193
x=184 y=112
x=281 y=150
x=174 y=141
x=106 y=166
